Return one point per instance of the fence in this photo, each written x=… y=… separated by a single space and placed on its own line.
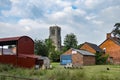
x=9 y=77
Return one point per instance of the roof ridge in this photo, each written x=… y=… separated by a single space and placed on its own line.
x=84 y=52
x=94 y=46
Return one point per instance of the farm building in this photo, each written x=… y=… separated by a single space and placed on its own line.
x=93 y=48
x=19 y=51
x=46 y=62
x=76 y=56
x=111 y=46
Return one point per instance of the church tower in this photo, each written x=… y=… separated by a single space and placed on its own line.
x=55 y=36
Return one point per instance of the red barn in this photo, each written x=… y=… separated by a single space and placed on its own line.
x=23 y=53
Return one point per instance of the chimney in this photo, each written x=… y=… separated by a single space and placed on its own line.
x=108 y=35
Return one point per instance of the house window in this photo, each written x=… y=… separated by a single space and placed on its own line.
x=111 y=59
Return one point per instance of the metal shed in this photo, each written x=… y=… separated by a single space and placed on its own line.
x=24 y=48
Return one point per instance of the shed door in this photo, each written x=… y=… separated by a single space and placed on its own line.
x=65 y=59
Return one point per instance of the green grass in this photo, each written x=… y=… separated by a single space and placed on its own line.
x=96 y=72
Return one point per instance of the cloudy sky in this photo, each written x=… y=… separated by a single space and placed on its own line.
x=89 y=20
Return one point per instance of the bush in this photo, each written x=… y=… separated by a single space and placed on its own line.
x=101 y=58
x=55 y=56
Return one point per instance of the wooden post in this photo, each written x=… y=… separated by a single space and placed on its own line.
x=2 y=49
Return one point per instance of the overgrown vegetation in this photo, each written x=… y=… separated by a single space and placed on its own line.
x=46 y=48
x=101 y=58
x=97 y=72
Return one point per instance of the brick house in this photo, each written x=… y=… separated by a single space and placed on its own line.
x=111 y=46
x=76 y=56
x=93 y=48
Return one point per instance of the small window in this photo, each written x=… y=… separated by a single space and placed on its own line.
x=111 y=60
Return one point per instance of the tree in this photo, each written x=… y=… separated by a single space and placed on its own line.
x=116 y=30
x=70 y=41
x=46 y=48
x=55 y=56
x=49 y=45
x=41 y=48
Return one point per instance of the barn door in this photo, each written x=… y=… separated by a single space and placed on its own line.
x=65 y=59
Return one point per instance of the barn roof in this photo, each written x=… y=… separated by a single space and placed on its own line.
x=84 y=52
x=10 y=40
x=94 y=46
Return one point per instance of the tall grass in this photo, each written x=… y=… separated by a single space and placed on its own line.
x=59 y=73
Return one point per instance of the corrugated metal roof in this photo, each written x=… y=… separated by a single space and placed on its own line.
x=83 y=52
x=10 y=39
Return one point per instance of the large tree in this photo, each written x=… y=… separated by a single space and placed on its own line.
x=116 y=30
x=46 y=48
x=41 y=48
x=70 y=41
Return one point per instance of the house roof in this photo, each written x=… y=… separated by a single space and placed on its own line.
x=84 y=52
x=94 y=46
x=114 y=39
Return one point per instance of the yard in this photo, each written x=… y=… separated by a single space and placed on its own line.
x=96 y=72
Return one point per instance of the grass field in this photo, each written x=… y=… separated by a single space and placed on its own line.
x=96 y=72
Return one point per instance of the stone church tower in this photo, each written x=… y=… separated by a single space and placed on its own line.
x=55 y=36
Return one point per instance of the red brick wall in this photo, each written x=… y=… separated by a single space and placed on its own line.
x=80 y=59
x=88 y=48
x=77 y=59
x=89 y=60
x=112 y=49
